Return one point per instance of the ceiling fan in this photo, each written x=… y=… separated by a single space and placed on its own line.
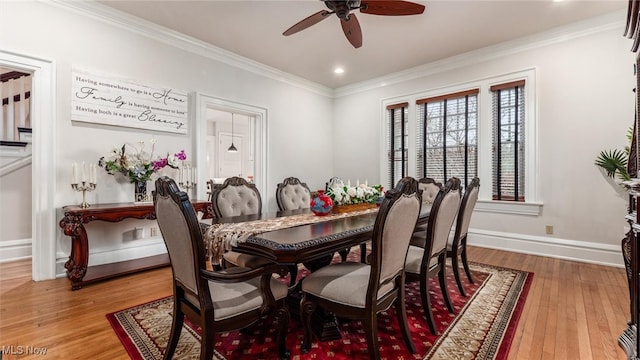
x=350 y=24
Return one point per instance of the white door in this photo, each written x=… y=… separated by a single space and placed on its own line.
x=230 y=162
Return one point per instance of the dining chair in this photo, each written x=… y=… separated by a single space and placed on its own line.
x=457 y=243
x=355 y=290
x=217 y=301
x=209 y=189
x=237 y=197
x=426 y=262
x=430 y=189
x=333 y=182
x=292 y=194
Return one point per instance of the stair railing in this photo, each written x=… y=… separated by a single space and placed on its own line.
x=15 y=95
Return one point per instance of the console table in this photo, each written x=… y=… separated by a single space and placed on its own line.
x=73 y=222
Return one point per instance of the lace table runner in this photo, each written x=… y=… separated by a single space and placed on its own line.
x=219 y=238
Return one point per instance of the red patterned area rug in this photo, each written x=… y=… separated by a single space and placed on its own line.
x=482 y=328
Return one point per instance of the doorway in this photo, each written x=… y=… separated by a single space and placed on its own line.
x=44 y=163
x=221 y=123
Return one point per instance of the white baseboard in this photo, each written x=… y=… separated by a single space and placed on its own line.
x=582 y=251
x=144 y=248
x=13 y=250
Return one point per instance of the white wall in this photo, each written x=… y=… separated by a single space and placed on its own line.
x=584 y=104
x=71 y=38
x=15 y=205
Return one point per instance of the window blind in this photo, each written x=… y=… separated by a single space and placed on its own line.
x=447 y=136
x=397 y=140
x=509 y=141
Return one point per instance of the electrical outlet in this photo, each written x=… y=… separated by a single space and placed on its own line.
x=549 y=229
x=154 y=231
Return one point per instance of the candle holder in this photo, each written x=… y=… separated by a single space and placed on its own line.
x=188 y=176
x=187 y=185
x=84 y=188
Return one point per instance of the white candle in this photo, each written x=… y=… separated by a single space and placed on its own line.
x=358 y=182
x=74 y=173
x=349 y=183
x=180 y=175
x=195 y=176
x=366 y=182
x=84 y=171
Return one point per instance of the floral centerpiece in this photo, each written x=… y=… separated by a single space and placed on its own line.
x=343 y=195
x=138 y=165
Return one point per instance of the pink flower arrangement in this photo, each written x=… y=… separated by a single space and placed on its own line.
x=138 y=165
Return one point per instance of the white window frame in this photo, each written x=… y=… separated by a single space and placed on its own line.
x=533 y=203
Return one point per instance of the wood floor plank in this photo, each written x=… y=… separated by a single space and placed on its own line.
x=573 y=311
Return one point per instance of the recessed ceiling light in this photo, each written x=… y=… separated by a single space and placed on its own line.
x=338 y=70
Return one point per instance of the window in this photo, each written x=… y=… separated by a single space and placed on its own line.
x=486 y=128
x=446 y=139
x=397 y=142
x=508 y=141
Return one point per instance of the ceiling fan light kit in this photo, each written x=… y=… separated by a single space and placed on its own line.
x=349 y=21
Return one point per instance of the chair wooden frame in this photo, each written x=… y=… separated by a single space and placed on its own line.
x=427 y=271
x=458 y=247
x=374 y=304
x=202 y=312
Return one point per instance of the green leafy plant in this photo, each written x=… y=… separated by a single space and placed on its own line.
x=614 y=162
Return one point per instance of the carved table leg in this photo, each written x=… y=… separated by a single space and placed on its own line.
x=79 y=258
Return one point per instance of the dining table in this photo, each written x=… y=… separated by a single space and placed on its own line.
x=296 y=237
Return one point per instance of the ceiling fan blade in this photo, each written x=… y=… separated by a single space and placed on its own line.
x=393 y=8
x=306 y=22
x=352 y=31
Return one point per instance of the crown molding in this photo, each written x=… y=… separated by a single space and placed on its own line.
x=181 y=41
x=173 y=38
x=611 y=21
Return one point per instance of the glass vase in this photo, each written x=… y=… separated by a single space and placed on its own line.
x=140 y=191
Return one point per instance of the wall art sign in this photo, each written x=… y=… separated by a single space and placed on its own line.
x=98 y=98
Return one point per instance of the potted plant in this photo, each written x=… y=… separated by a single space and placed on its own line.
x=614 y=162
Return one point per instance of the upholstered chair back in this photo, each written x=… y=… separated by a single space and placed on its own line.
x=176 y=220
x=398 y=213
x=447 y=211
x=334 y=181
x=236 y=197
x=292 y=194
x=430 y=189
x=468 y=204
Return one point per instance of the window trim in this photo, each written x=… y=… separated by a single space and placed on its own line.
x=533 y=203
x=496 y=93
x=390 y=110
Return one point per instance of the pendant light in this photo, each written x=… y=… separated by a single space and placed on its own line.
x=232 y=148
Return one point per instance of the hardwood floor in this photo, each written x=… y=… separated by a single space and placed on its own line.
x=573 y=311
